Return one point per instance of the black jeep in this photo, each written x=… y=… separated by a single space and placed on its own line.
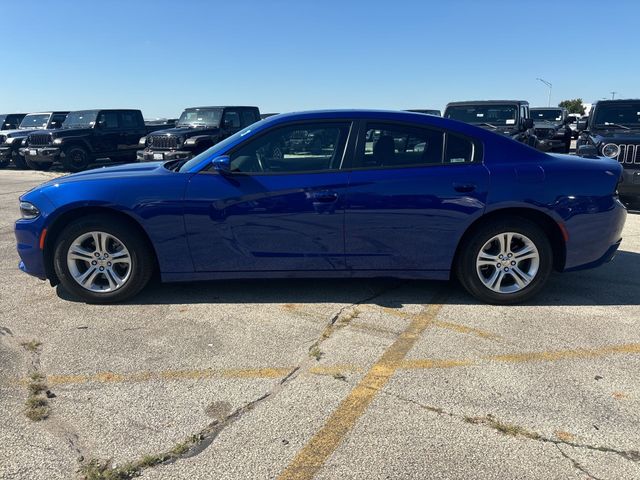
x=11 y=140
x=613 y=130
x=508 y=117
x=197 y=129
x=10 y=121
x=551 y=125
x=87 y=136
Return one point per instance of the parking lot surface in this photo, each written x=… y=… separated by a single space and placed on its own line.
x=291 y=379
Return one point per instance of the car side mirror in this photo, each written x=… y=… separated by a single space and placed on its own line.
x=527 y=123
x=588 y=151
x=581 y=125
x=222 y=164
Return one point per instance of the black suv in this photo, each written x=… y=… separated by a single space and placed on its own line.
x=11 y=140
x=613 y=130
x=10 y=121
x=508 y=117
x=85 y=137
x=197 y=129
x=551 y=125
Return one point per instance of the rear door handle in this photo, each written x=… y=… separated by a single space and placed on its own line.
x=324 y=197
x=464 y=187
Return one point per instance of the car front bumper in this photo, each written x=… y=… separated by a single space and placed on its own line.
x=147 y=155
x=6 y=152
x=41 y=154
x=28 y=234
x=630 y=186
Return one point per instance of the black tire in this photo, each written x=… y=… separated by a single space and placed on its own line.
x=19 y=161
x=42 y=166
x=469 y=277
x=142 y=263
x=76 y=159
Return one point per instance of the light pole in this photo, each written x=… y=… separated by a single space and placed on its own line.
x=613 y=95
x=548 y=84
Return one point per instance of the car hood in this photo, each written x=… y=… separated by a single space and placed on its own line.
x=185 y=131
x=617 y=137
x=69 y=132
x=146 y=169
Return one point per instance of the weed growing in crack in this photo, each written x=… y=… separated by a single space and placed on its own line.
x=339 y=376
x=31 y=346
x=315 y=352
x=502 y=427
x=36 y=406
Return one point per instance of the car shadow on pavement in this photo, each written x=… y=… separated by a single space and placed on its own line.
x=616 y=283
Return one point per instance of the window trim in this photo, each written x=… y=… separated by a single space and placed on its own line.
x=477 y=146
x=351 y=123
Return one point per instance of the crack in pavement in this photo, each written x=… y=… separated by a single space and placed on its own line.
x=577 y=464
x=515 y=430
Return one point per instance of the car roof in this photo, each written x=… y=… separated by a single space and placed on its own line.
x=220 y=106
x=46 y=113
x=486 y=102
x=548 y=108
x=620 y=100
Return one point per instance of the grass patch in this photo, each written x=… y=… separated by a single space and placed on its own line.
x=36 y=414
x=31 y=346
x=315 y=352
x=502 y=427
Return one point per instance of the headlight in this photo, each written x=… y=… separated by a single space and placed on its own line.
x=149 y=140
x=611 y=150
x=57 y=141
x=29 y=211
x=24 y=141
x=179 y=141
x=142 y=141
x=190 y=141
x=10 y=140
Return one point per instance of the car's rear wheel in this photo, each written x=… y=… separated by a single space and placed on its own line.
x=505 y=261
x=101 y=259
x=76 y=159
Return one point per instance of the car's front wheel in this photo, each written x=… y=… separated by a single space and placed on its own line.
x=506 y=261
x=101 y=259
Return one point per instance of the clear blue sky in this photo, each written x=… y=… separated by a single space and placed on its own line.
x=162 y=56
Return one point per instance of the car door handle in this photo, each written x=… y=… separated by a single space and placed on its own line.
x=324 y=197
x=464 y=187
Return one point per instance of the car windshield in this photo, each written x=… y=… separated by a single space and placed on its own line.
x=200 y=117
x=622 y=114
x=553 y=115
x=35 y=121
x=219 y=147
x=81 y=119
x=490 y=114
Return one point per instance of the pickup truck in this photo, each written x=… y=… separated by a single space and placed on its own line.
x=11 y=140
x=197 y=129
x=87 y=136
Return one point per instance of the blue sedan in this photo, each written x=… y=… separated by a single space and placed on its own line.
x=329 y=194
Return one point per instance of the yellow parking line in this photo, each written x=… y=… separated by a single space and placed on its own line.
x=313 y=455
x=544 y=356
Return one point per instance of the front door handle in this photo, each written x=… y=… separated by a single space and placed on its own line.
x=324 y=197
x=464 y=187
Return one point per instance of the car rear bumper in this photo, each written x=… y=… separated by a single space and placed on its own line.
x=595 y=233
x=41 y=154
x=147 y=155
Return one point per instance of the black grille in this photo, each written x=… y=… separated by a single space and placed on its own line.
x=39 y=139
x=545 y=132
x=163 y=142
x=629 y=154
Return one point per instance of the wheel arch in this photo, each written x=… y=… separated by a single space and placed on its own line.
x=60 y=222
x=554 y=230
